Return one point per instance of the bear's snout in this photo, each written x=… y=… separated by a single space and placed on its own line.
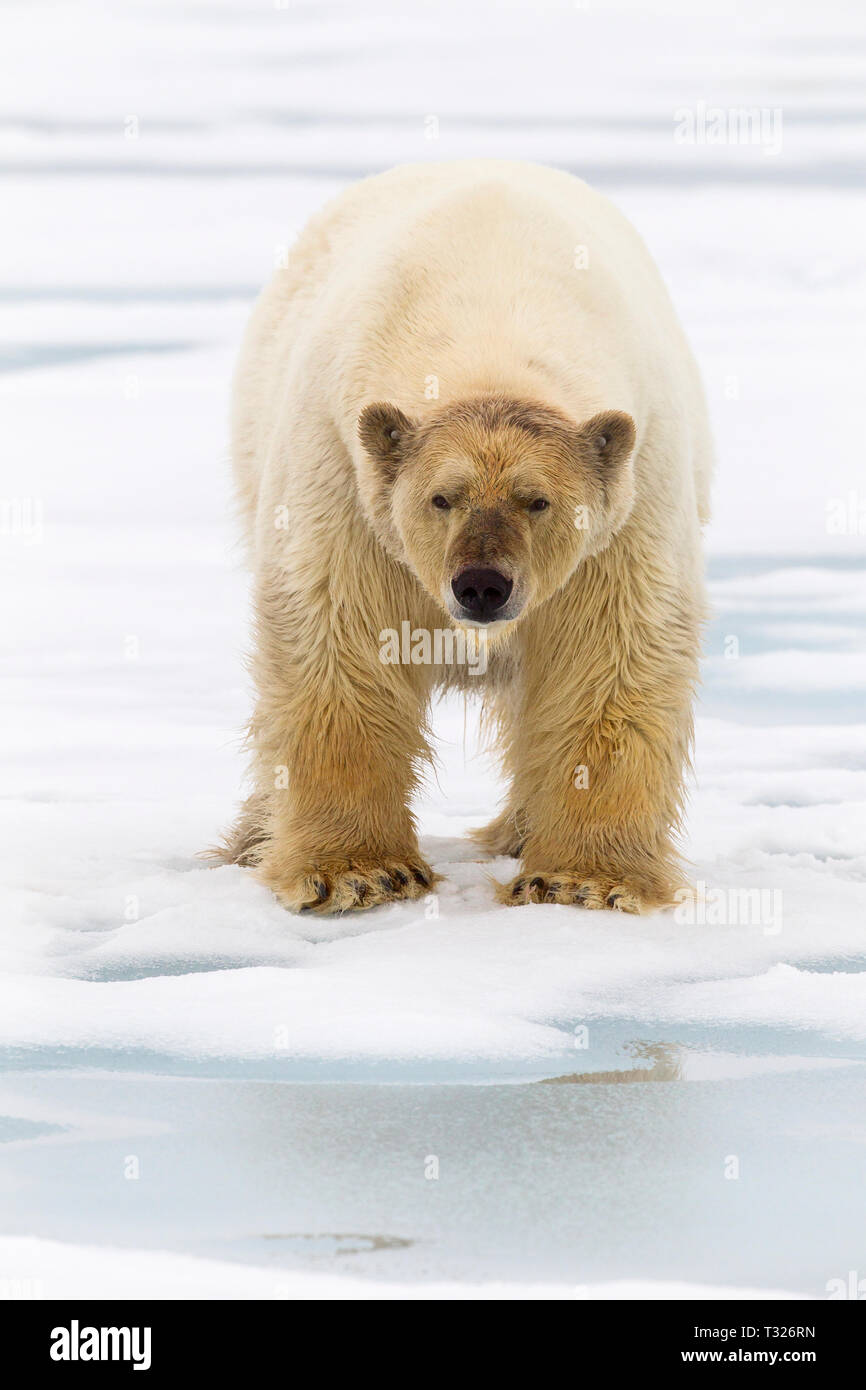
x=481 y=593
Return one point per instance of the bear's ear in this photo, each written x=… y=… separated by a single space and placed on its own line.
x=606 y=441
x=385 y=433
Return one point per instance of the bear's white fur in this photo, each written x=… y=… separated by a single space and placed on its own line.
x=424 y=287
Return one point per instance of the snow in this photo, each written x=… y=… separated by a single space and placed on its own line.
x=79 y=1272
x=132 y=254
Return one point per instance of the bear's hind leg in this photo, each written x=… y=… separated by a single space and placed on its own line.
x=503 y=836
x=244 y=841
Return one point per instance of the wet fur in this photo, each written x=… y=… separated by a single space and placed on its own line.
x=598 y=671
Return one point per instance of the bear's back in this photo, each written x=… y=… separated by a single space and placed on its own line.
x=433 y=281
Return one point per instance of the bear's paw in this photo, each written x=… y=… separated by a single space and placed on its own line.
x=582 y=890
x=353 y=884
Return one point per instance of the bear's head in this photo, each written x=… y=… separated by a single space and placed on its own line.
x=494 y=502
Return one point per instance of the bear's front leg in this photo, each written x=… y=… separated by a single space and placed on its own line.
x=602 y=834
x=340 y=835
x=598 y=757
x=338 y=739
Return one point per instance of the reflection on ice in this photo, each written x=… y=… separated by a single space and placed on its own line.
x=664 y=1059
x=308 y=1244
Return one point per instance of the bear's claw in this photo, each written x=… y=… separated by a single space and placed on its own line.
x=353 y=885
x=577 y=890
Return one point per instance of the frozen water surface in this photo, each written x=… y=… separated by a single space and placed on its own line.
x=285 y=1089
x=577 y=1183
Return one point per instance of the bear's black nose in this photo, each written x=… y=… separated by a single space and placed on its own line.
x=482 y=592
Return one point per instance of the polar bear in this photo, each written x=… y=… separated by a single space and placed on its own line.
x=466 y=407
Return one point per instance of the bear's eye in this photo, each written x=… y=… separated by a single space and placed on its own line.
x=539 y=505
x=441 y=502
